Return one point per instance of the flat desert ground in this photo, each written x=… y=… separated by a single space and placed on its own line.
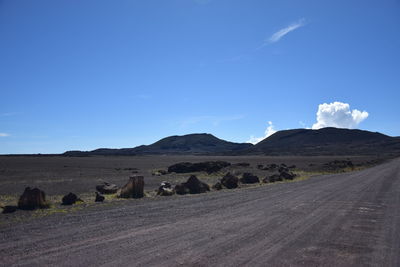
x=340 y=219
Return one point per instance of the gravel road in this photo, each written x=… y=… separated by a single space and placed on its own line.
x=350 y=219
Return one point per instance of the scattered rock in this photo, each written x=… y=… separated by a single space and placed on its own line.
x=283 y=169
x=271 y=167
x=339 y=164
x=260 y=166
x=242 y=164
x=69 y=199
x=208 y=166
x=273 y=178
x=249 y=178
x=165 y=189
x=99 y=198
x=107 y=188
x=32 y=199
x=287 y=175
x=192 y=186
x=217 y=186
x=9 y=209
x=181 y=189
x=133 y=188
x=230 y=181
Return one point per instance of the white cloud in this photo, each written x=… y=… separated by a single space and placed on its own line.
x=4 y=134
x=282 y=32
x=269 y=131
x=339 y=115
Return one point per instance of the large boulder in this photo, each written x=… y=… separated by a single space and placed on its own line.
x=249 y=178
x=165 y=189
x=69 y=199
x=134 y=188
x=207 y=166
x=196 y=186
x=230 y=181
x=32 y=199
x=192 y=186
x=107 y=188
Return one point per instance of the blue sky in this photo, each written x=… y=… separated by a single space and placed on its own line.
x=89 y=74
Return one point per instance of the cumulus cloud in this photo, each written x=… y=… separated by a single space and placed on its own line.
x=4 y=134
x=339 y=115
x=269 y=131
x=282 y=32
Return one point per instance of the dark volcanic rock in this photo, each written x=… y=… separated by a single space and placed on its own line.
x=230 y=181
x=283 y=169
x=196 y=186
x=181 y=189
x=249 y=178
x=242 y=164
x=287 y=175
x=99 y=198
x=192 y=186
x=271 y=167
x=208 y=166
x=339 y=164
x=165 y=189
x=32 y=199
x=217 y=186
x=272 y=179
x=133 y=189
x=107 y=188
x=9 y=209
x=69 y=199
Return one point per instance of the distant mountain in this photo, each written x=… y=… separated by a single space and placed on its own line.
x=327 y=141
x=187 y=144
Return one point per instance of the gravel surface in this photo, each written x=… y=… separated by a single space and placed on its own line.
x=347 y=219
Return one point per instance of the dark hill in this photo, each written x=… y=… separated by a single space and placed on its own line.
x=327 y=141
x=187 y=144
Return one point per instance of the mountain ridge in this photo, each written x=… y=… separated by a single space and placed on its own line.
x=325 y=141
x=199 y=143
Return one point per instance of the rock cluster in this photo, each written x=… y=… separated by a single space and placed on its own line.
x=207 y=166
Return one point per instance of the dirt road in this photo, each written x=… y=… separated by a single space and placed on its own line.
x=350 y=219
